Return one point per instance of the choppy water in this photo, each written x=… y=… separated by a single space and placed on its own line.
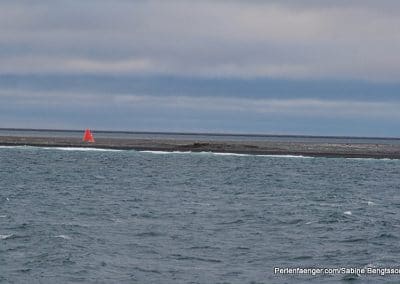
x=126 y=216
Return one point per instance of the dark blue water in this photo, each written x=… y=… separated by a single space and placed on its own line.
x=131 y=217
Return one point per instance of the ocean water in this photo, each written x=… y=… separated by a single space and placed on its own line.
x=100 y=216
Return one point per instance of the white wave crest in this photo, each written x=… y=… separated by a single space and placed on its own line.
x=222 y=154
x=228 y=154
x=287 y=156
x=166 y=152
x=81 y=149
x=14 y=147
x=65 y=237
x=5 y=237
x=62 y=148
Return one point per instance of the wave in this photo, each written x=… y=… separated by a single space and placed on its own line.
x=373 y=159
x=5 y=237
x=194 y=153
x=261 y=155
x=14 y=147
x=287 y=156
x=82 y=149
x=62 y=148
x=167 y=152
x=90 y=149
x=221 y=154
x=65 y=237
x=229 y=154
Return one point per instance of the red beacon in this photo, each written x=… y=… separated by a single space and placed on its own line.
x=88 y=136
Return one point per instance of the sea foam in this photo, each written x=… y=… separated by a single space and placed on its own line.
x=221 y=154
x=65 y=237
x=165 y=152
x=5 y=237
x=14 y=147
x=81 y=149
x=62 y=148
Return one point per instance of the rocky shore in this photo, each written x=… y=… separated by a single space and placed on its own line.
x=241 y=147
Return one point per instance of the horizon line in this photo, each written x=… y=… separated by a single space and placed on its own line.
x=198 y=133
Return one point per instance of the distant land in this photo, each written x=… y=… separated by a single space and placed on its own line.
x=253 y=144
x=200 y=133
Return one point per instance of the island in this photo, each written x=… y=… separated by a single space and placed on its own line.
x=311 y=149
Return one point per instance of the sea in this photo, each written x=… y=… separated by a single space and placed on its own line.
x=79 y=215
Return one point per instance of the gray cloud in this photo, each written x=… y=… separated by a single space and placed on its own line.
x=302 y=107
x=288 y=39
x=143 y=112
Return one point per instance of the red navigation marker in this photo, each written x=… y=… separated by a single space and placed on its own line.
x=88 y=136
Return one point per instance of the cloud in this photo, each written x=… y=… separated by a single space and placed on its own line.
x=282 y=39
x=302 y=107
x=288 y=107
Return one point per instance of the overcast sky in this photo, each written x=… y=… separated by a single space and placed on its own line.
x=288 y=67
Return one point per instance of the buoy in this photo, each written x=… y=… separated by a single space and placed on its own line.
x=88 y=136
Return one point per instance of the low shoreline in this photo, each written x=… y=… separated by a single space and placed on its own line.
x=334 y=150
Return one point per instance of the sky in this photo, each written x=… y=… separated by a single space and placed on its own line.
x=305 y=67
